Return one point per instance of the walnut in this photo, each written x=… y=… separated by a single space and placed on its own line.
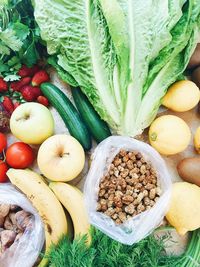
x=130 y=209
x=118 y=202
x=111 y=191
x=118 y=221
x=114 y=216
x=116 y=173
x=146 y=201
x=127 y=199
x=152 y=193
x=124 y=173
x=139 y=164
x=129 y=192
x=110 y=211
x=119 y=187
x=120 y=168
x=125 y=158
x=140 y=208
x=117 y=162
x=130 y=165
x=110 y=203
x=138 y=186
x=106 y=195
x=134 y=195
x=145 y=193
x=138 y=155
x=103 y=204
x=140 y=197
x=122 y=153
x=132 y=156
x=118 y=209
x=112 y=166
x=149 y=186
x=102 y=192
x=118 y=194
x=98 y=207
x=111 y=197
x=122 y=216
x=152 y=203
x=143 y=169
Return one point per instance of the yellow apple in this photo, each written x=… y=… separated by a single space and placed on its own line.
x=61 y=158
x=32 y=123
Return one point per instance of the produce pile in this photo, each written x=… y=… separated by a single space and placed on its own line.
x=121 y=60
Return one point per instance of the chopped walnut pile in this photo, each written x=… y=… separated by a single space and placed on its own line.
x=129 y=188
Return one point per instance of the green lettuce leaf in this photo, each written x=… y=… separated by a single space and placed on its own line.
x=77 y=31
x=124 y=54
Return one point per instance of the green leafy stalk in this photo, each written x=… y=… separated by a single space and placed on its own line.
x=105 y=252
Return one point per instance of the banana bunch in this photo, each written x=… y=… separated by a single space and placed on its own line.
x=47 y=200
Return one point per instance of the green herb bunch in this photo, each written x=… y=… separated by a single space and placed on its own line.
x=20 y=41
x=105 y=252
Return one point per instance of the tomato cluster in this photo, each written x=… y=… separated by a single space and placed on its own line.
x=18 y=155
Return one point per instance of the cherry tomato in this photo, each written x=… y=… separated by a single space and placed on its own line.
x=3 y=170
x=3 y=142
x=19 y=155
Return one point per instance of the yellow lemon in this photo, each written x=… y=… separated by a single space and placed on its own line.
x=184 y=211
x=169 y=135
x=182 y=96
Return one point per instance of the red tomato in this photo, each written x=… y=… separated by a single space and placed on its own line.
x=3 y=170
x=19 y=155
x=3 y=142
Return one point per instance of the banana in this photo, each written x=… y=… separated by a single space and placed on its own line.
x=72 y=199
x=46 y=203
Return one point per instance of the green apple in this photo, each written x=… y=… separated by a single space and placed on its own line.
x=32 y=123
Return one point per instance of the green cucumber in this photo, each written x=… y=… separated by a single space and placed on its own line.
x=98 y=128
x=68 y=113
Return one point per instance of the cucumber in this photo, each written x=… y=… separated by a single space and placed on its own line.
x=98 y=128
x=68 y=113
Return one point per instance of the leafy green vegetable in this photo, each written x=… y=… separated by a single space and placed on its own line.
x=20 y=40
x=105 y=252
x=93 y=58
x=124 y=54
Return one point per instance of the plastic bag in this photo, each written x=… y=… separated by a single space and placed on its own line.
x=25 y=252
x=138 y=227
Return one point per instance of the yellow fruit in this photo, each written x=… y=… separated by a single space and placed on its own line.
x=61 y=158
x=182 y=96
x=46 y=203
x=169 y=135
x=72 y=199
x=184 y=211
x=197 y=140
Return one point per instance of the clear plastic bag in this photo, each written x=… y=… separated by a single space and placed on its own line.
x=135 y=229
x=25 y=252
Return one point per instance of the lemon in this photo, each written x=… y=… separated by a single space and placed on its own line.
x=184 y=211
x=182 y=96
x=169 y=135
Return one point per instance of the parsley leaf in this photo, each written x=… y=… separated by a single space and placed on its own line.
x=9 y=38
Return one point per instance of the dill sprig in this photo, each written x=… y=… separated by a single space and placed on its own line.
x=105 y=252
